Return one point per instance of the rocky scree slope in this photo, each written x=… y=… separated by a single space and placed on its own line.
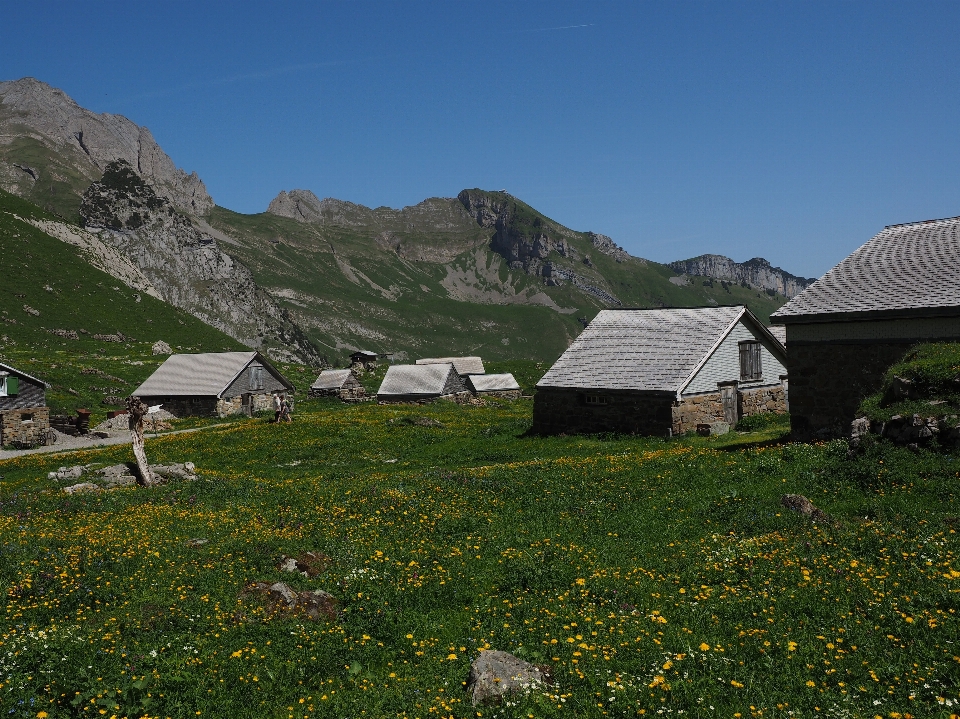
x=186 y=265
x=51 y=149
x=756 y=273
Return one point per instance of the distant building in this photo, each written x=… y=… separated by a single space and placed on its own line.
x=337 y=383
x=464 y=365
x=215 y=383
x=662 y=372
x=24 y=415
x=362 y=357
x=420 y=383
x=494 y=385
x=844 y=331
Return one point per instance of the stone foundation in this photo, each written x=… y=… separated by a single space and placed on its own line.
x=566 y=411
x=504 y=394
x=761 y=400
x=829 y=380
x=708 y=408
x=29 y=424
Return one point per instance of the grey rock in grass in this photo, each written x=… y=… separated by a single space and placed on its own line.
x=494 y=674
x=82 y=487
x=197 y=542
x=799 y=503
x=66 y=473
x=281 y=592
x=162 y=348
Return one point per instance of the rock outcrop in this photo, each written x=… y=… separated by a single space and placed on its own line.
x=756 y=273
x=187 y=266
x=68 y=147
x=496 y=674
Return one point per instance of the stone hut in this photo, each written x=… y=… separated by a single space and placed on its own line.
x=24 y=415
x=662 y=372
x=337 y=383
x=464 y=365
x=214 y=383
x=503 y=385
x=846 y=329
x=420 y=383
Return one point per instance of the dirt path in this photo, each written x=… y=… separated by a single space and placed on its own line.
x=67 y=444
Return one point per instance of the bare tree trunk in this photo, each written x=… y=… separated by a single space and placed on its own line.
x=136 y=409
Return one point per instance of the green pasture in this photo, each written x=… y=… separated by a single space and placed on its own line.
x=652 y=577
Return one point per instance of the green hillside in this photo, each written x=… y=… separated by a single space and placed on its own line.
x=49 y=287
x=424 y=280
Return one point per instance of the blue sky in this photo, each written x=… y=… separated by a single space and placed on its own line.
x=791 y=131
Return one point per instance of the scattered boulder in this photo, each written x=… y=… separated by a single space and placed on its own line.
x=494 y=674
x=67 y=473
x=82 y=487
x=309 y=564
x=281 y=597
x=162 y=348
x=799 y=503
x=197 y=542
x=183 y=470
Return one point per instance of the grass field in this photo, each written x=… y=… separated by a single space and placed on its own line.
x=652 y=576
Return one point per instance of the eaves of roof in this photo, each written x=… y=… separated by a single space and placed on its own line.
x=895 y=314
x=24 y=374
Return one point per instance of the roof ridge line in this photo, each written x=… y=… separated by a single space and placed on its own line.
x=921 y=222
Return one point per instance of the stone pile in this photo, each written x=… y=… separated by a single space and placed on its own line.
x=912 y=431
x=281 y=597
x=495 y=674
x=118 y=475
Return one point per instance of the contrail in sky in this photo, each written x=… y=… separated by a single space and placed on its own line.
x=562 y=27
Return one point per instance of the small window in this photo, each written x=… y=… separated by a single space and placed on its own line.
x=195 y=400
x=26 y=417
x=750 y=369
x=3 y=386
x=595 y=399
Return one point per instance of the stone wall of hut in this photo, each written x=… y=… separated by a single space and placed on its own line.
x=24 y=425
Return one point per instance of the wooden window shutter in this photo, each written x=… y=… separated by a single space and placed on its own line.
x=750 y=361
x=13 y=386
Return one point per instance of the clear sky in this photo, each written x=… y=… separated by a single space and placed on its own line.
x=792 y=131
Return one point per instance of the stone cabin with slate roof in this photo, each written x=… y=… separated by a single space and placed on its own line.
x=214 y=383
x=662 y=372
x=420 y=383
x=337 y=383
x=24 y=415
x=847 y=328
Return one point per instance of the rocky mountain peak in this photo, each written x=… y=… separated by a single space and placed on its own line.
x=756 y=272
x=78 y=144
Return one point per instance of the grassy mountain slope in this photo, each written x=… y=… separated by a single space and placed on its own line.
x=425 y=280
x=64 y=292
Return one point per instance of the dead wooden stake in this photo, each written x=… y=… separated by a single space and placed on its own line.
x=136 y=409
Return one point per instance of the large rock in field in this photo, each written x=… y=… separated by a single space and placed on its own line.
x=494 y=674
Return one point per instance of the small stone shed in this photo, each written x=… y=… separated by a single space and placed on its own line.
x=662 y=372
x=420 y=383
x=494 y=385
x=24 y=415
x=215 y=383
x=464 y=365
x=846 y=329
x=337 y=383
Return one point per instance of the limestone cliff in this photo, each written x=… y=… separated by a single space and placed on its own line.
x=757 y=273
x=187 y=266
x=51 y=149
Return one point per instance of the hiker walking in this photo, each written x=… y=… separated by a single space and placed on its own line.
x=277 y=407
x=285 y=409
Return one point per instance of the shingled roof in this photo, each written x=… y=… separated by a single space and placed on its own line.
x=645 y=350
x=905 y=270
x=504 y=382
x=463 y=365
x=331 y=379
x=428 y=380
x=206 y=375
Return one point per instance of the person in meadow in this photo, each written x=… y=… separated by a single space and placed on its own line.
x=285 y=409
x=277 y=407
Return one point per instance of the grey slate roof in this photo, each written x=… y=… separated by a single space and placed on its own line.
x=646 y=350
x=206 y=374
x=902 y=270
x=331 y=379
x=410 y=379
x=492 y=382
x=463 y=365
x=780 y=332
x=14 y=370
